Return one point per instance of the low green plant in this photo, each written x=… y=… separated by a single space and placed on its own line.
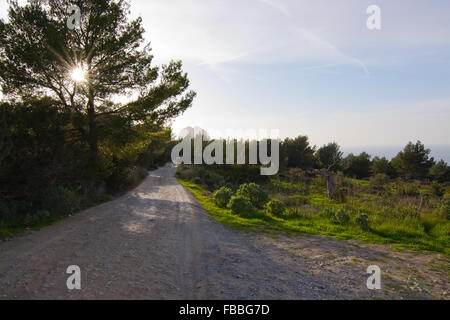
x=362 y=220
x=327 y=213
x=341 y=217
x=223 y=196
x=240 y=205
x=253 y=192
x=276 y=208
x=40 y=215
x=443 y=210
x=408 y=190
x=409 y=211
x=379 y=180
x=437 y=189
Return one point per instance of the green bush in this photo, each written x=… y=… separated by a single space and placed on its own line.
x=408 y=190
x=212 y=179
x=276 y=208
x=254 y=193
x=293 y=213
x=327 y=213
x=38 y=216
x=410 y=211
x=438 y=190
x=443 y=210
x=362 y=220
x=62 y=200
x=341 y=217
x=136 y=175
x=240 y=205
x=222 y=196
x=379 y=180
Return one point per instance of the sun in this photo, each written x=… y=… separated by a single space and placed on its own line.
x=78 y=74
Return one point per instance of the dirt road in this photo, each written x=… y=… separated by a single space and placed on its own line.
x=156 y=242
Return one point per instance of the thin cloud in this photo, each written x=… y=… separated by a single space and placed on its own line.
x=277 y=6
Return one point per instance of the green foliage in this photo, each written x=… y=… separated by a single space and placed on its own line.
x=61 y=200
x=438 y=190
x=440 y=171
x=297 y=153
x=329 y=156
x=240 y=205
x=379 y=180
x=409 y=211
x=215 y=176
x=223 y=196
x=338 y=216
x=419 y=223
x=382 y=166
x=341 y=217
x=408 y=189
x=253 y=192
x=40 y=215
x=69 y=145
x=276 y=208
x=357 y=166
x=443 y=210
x=413 y=161
x=327 y=213
x=362 y=220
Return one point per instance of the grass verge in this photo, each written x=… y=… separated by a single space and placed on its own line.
x=259 y=221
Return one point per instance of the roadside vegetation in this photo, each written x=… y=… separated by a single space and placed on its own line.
x=404 y=202
x=66 y=143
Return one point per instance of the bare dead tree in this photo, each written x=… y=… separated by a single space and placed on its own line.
x=328 y=174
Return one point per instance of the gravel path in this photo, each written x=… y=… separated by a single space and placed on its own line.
x=156 y=242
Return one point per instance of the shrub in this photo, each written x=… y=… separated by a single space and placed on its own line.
x=379 y=180
x=240 y=205
x=438 y=190
x=30 y=219
x=341 y=217
x=135 y=175
x=327 y=213
x=443 y=210
x=254 y=193
x=61 y=200
x=293 y=213
x=185 y=172
x=222 y=196
x=296 y=201
x=410 y=211
x=212 y=179
x=408 y=190
x=440 y=171
x=276 y=208
x=362 y=220
x=38 y=216
x=197 y=180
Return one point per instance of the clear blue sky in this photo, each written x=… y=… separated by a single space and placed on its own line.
x=310 y=67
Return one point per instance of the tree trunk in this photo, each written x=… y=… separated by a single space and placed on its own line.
x=330 y=184
x=93 y=134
